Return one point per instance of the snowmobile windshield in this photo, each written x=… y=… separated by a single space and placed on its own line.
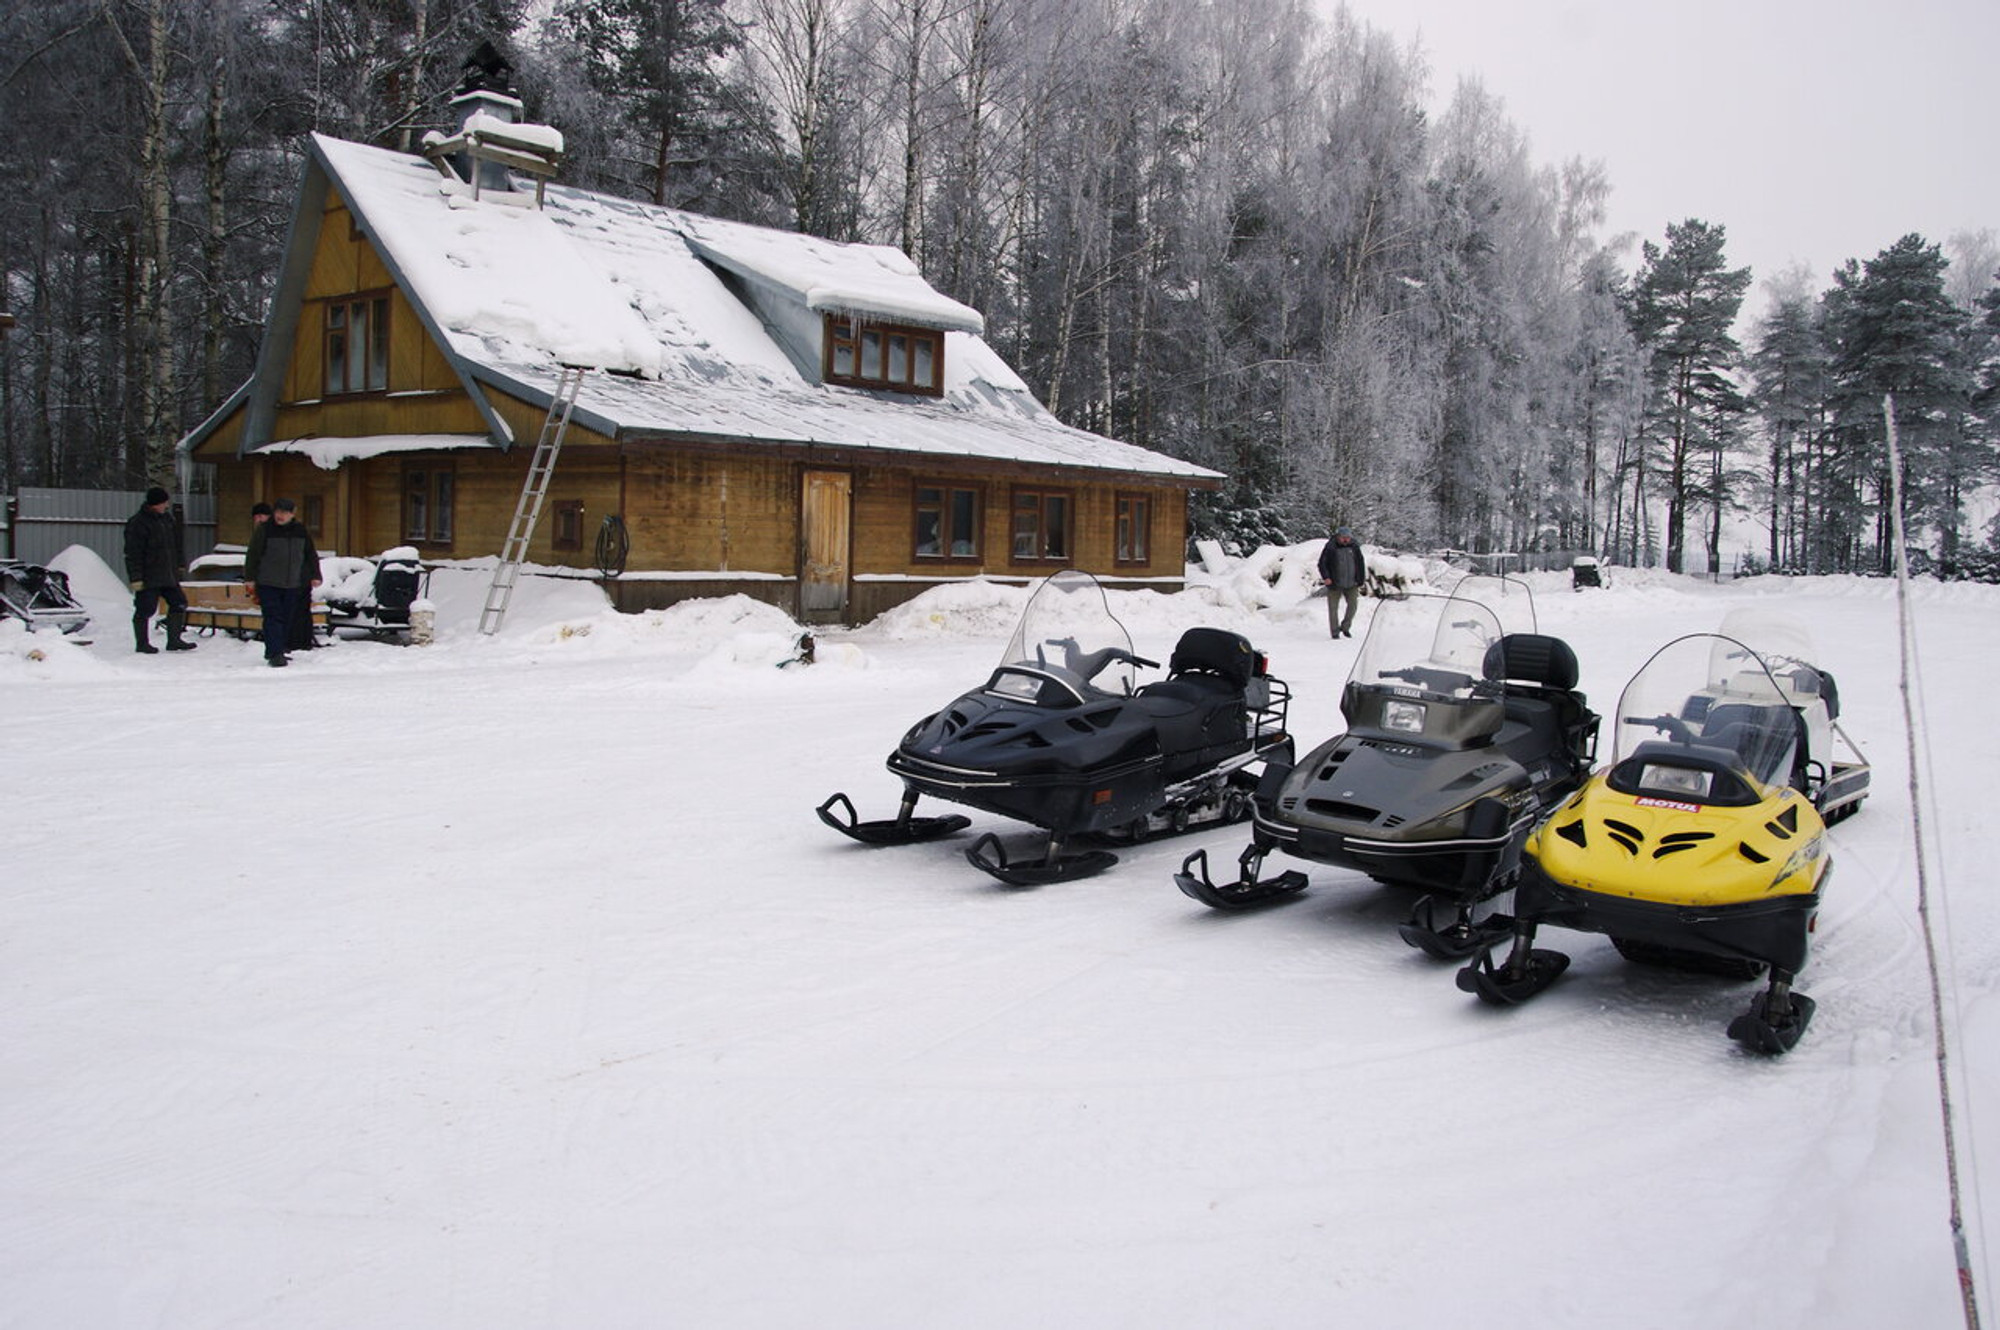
x=1428 y=646
x=1704 y=705
x=1068 y=630
x=1785 y=646
x=1508 y=597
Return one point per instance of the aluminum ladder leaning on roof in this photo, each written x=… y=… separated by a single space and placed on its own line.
x=533 y=491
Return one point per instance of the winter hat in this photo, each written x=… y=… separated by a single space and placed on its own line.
x=155 y=495
x=260 y=510
x=285 y=506
x=1340 y=531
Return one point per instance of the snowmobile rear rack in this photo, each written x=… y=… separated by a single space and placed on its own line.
x=902 y=829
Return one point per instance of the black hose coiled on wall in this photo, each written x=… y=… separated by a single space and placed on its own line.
x=614 y=544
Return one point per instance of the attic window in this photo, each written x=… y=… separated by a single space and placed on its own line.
x=884 y=355
x=357 y=345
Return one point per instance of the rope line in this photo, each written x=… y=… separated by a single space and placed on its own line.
x=1968 y=1292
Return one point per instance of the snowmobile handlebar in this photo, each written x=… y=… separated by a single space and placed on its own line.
x=1672 y=726
x=1440 y=681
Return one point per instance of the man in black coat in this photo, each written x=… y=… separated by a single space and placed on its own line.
x=153 y=571
x=282 y=568
x=1343 y=568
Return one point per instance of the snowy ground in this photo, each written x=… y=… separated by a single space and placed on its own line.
x=512 y=982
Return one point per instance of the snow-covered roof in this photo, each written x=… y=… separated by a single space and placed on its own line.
x=328 y=454
x=516 y=292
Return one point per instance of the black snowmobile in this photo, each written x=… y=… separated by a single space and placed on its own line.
x=1058 y=737
x=1461 y=735
x=39 y=597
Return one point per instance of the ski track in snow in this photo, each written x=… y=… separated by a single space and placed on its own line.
x=512 y=982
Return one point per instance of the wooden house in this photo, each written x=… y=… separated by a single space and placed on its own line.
x=769 y=413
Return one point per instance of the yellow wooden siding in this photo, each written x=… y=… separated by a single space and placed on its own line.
x=708 y=511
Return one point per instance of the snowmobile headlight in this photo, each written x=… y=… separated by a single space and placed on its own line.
x=1405 y=716
x=1675 y=780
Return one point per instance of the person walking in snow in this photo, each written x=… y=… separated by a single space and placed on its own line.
x=1342 y=570
x=153 y=571
x=282 y=568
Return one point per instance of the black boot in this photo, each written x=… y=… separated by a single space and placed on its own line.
x=139 y=636
x=176 y=625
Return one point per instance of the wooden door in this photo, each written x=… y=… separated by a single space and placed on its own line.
x=826 y=512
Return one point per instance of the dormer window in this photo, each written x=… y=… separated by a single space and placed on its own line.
x=884 y=355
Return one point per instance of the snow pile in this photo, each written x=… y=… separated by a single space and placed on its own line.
x=976 y=608
x=48 y=654
x=705 y=626
x=344 y=577
x=542 y=597
x=91 y=579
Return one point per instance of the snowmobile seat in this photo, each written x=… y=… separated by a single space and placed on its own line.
x=1208 y=664
x=1540 y=674
x=1199 y=705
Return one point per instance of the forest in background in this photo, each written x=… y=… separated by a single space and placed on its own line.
x=1229 y=230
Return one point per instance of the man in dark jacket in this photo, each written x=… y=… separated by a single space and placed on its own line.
x=153 y=571
x=282 y=568
x=1342 y=568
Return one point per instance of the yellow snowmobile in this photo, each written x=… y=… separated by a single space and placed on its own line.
x=1703 y=845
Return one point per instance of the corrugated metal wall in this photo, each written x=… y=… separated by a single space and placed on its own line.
x=48 y=521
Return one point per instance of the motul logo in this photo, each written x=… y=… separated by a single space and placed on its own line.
x=1674 y=804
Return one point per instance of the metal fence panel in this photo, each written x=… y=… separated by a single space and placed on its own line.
x=48 y=521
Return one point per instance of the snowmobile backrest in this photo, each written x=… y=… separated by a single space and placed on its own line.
x=1214 y=651
x=396 y=585
x=1533 y=658
x=1829 y=693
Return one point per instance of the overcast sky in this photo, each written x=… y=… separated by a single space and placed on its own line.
x=1814 y=130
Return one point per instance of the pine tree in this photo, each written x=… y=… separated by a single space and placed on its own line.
x=1895 y=333
x=660 y=62
x=1791 y=373
x=1683 y=304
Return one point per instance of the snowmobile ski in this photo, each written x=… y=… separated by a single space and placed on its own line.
x=1247 y=891
x=902 y=829
x=1776 y=1019
x=1526 y=972
x=989 y=856
x=1458 y=939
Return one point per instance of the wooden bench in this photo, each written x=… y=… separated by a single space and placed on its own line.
x=226 y=607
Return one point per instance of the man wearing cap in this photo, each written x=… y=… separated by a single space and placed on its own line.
x=1343 y=568
x=153 y=571
x=282 y=568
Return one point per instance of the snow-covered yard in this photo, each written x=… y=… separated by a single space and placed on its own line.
x=512 y=982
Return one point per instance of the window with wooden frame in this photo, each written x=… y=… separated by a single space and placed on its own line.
x=566 y=533
x=429 y=497
x=947 y=521
x=1132 y=541
x=312 y=511
x=357 y=345
x=884 y=355
x=1041 y=526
